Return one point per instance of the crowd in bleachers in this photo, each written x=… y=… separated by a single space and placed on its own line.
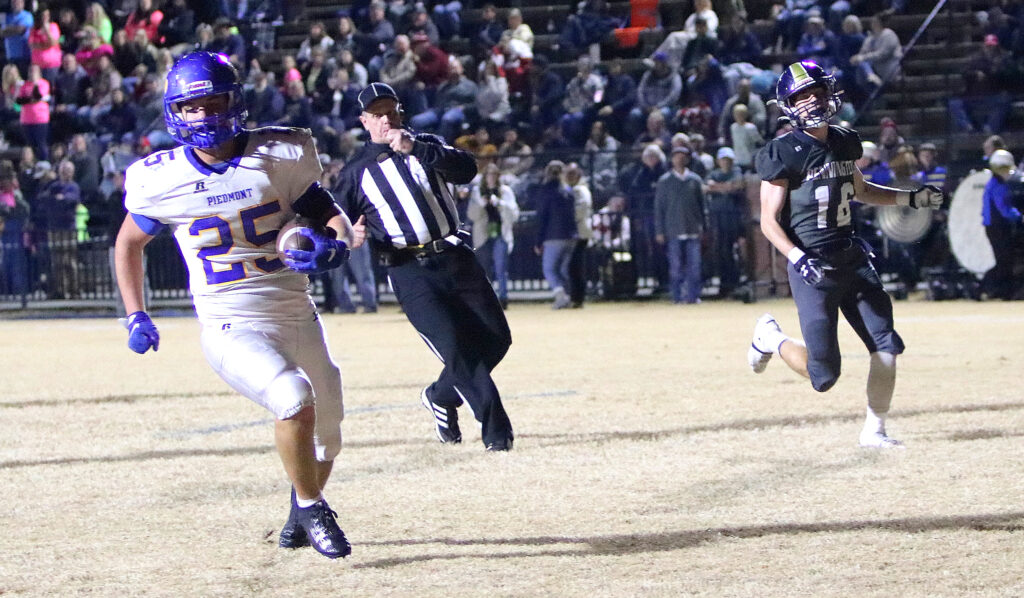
x=82 y=90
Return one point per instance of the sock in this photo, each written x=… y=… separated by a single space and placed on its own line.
x=874 y=423
x=881 y=382
x=774 y=339
x=306 y=503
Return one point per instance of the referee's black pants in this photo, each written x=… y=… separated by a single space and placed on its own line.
x=450 y=302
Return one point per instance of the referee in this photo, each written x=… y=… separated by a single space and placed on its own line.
x=397 y=187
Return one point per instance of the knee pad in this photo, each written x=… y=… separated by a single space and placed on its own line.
x=288 y=393
x=824 y=383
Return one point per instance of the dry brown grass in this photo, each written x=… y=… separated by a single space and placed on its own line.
x=649 y=461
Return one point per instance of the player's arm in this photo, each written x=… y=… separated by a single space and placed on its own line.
x=925 y=196
x=317 y=204
x=128 y=251
x=773 y=199
x=131 y=240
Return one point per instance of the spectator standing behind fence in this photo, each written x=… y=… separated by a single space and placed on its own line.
x=14 y=214
x=988 y=79
x=611 y=251
x=556 y=231
x=679 y=225
x=1002 y=222
x=637 y=182
x=727 y=202
x=583 y=207
x=494 y=211
x=59 y=200
x=600 y=160
x=746 y=138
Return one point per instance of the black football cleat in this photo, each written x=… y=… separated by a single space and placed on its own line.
x=322 y=531
x=292 y=534
x=446 y=420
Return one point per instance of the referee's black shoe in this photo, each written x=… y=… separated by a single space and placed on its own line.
x=322 y=531
x=446 y=420
x=500 y=445
x=292 y=534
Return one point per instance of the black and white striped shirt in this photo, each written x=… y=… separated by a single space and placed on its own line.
x=407 y=199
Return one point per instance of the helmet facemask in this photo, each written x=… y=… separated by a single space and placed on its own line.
x=210 y=131
x=811 y=115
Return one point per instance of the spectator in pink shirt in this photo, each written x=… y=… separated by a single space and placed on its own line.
x=144 y=17
x=34 y=97
x=91 y=49
x=44 y=40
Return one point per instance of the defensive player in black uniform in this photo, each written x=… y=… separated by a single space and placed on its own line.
x=397 y=186
x=808 y=180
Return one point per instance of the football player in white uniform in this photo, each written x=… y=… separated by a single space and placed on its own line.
x=224 y=194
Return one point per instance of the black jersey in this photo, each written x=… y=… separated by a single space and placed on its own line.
x=820 y=175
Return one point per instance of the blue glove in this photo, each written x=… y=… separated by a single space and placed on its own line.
x=812 y=269
x=142 y=333
x=327 y=253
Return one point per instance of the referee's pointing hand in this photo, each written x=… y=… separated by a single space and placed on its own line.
x=401 y=140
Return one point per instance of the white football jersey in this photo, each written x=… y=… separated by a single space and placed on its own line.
x=225 y=220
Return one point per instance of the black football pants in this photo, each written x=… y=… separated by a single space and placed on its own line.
x=854 y=289
x=450 y=302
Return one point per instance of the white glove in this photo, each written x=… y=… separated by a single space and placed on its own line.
x=928 y=196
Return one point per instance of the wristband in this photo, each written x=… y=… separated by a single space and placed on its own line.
x=794 y=255
x=903 y=199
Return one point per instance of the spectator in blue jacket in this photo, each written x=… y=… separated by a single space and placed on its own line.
x=556 y=231
x=58 y=201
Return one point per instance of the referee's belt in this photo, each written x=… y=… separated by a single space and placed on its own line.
x=398 y=256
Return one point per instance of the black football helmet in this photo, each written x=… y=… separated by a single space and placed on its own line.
x=798 y=77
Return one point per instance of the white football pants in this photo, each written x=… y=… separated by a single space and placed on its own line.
x=284 y=367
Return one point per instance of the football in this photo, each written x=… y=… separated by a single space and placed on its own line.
x=291 y=235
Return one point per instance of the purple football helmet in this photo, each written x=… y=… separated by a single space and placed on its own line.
x=198 y=75
x=804 y=75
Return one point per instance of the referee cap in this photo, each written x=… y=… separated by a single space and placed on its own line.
x=373 y=92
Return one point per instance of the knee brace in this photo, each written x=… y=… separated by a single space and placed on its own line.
x=288 y=393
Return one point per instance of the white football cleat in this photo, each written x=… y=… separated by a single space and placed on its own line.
x=879 y=440
x=760 y=351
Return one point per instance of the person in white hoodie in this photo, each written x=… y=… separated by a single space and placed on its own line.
x=494 y=210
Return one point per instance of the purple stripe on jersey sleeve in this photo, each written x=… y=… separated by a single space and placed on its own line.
x=148 y=225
